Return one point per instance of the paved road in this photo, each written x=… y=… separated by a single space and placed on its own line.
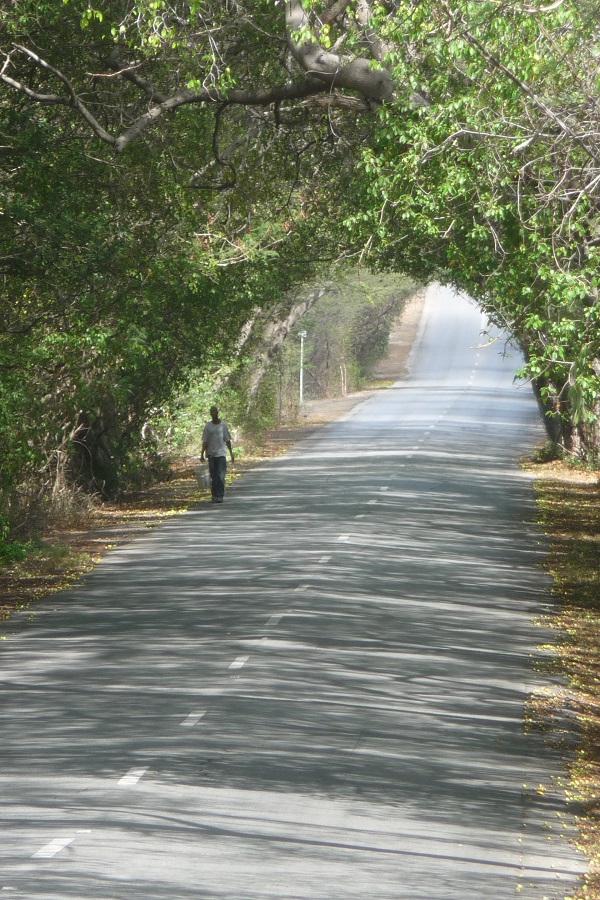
x=315 y=691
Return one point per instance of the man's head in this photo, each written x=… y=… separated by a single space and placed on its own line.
x=214 y=413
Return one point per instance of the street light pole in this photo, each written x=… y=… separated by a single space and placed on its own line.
x=301 y=335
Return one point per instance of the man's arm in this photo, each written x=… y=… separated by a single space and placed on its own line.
x=227 y=439
x=204 y=444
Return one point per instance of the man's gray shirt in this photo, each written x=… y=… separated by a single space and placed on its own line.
x=215 y=437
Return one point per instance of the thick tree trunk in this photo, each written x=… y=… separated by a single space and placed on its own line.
x=580 y=439
x=550 y=411
x=92 y=464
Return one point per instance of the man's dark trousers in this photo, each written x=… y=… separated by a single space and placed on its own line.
x=217 y=467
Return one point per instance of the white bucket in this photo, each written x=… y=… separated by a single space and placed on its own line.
x=202 y=475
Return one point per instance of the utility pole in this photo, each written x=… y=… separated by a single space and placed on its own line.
x=301 y=335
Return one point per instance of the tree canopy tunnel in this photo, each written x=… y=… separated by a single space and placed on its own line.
x=168 y=167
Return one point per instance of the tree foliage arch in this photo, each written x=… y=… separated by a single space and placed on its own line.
x=170 y=166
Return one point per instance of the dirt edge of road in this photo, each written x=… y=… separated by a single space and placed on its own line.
x=567 y=709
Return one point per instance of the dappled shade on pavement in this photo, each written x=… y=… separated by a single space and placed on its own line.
x=316 y=690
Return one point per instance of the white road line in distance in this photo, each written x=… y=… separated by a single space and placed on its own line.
x=275 y=620
x=360 y=516
x=238 y=662
x=193 y=719
x=133 y=776
x=324 y=559
x=386 y=488
x=54 y=847
x=373 y=502
x=301 y=587
x=344 y=537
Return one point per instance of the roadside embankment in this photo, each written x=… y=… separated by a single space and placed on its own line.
x=568 y=502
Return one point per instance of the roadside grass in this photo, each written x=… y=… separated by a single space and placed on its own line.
x=49 y=565
x=59 y=556
x=568 y=502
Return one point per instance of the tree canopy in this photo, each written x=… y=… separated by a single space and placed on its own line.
x=168 y=167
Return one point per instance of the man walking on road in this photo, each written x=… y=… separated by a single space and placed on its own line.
x=216 y=440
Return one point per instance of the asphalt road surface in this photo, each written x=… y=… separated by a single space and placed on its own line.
x=316 y=690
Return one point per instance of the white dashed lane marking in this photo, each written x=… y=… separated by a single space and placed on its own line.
x=239 y=662
x=53 y=848
x=344 y=537
x=193 y=719
x=324 y=559
x=132 y=777
x=275 y=620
